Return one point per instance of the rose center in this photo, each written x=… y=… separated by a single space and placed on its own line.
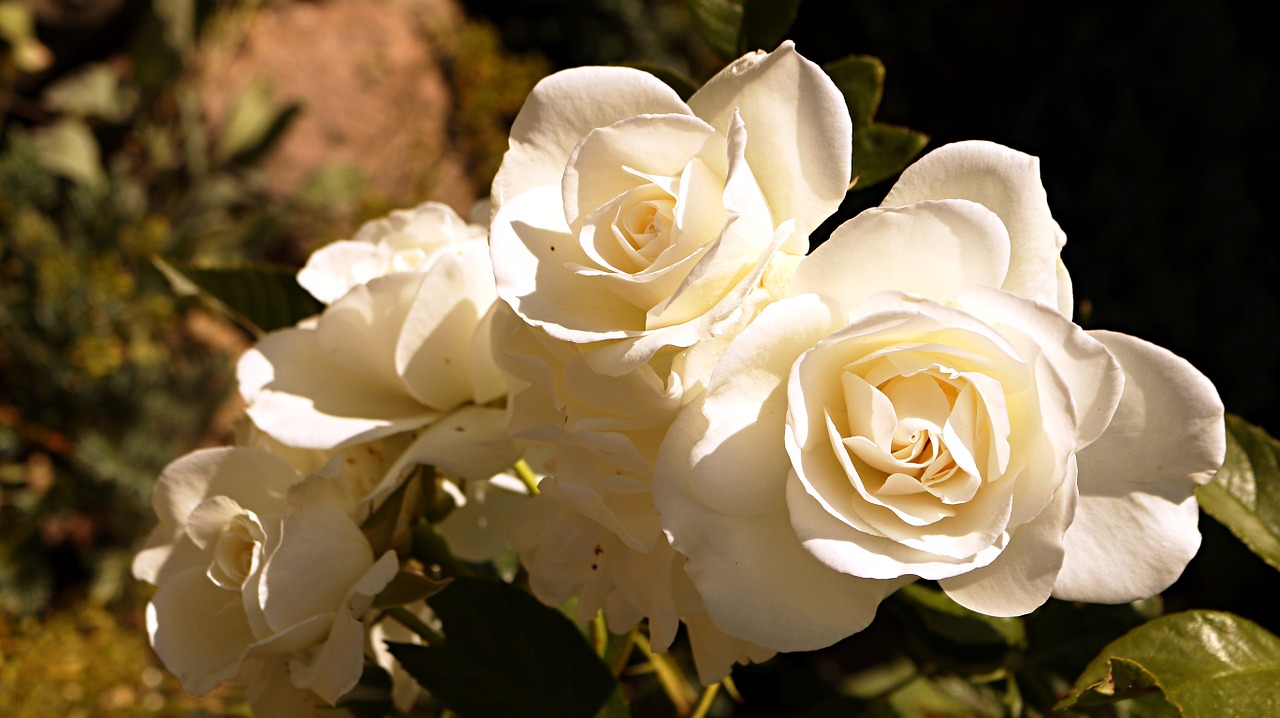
x=905 y=430
x=235 y=552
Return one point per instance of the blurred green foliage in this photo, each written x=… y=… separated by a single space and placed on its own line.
x=102 y=165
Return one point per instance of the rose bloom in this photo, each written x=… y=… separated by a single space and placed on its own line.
x=921 y=405
x=393 y=355
x=407 y=240
x=261 y=575
x=592 y=531
x=624 y=215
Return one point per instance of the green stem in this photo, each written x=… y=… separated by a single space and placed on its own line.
x=624 y=653
x=417 y=625
x=526 y=475
x=704 y=703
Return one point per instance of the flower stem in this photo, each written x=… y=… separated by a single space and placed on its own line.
x=526 y=475
x=624 y=653
x=704 y=703
x=417 y=625
x=669 y=675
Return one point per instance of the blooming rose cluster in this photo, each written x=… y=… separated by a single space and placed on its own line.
x=764 y=442
x=737 y=434
x=263 y=571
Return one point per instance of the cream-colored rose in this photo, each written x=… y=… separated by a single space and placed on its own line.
x=625 y=215
x=921 y=406
x=257 y=569
x=407 y=240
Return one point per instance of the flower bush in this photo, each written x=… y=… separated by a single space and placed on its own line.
x=678 y=413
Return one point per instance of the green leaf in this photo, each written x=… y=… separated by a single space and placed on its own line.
x=616 y=706
x=261 y=298
x=505 y=654
x=1245 y=494
x=948 y=619
x=94 y=91
x=765 y=23
x=253 y=124
x=67 y=148
x=880 y=151
x=860 y=79
x=1206 y=663
x=719 y=22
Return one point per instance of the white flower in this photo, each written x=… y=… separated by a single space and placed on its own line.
x=256 y=569
x=407 y=240
x=623 y=214
x=920 y=406
x=392 y=355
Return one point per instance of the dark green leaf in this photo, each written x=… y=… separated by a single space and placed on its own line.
x=948 y=619
x=719 y=22
x=880 y=151
x=262 y=298
x=1245 y=494
x=683 y=86
x=616 y=706
x=765 y=23
x=1206 y=663
x=505 y=654
x=860 y=79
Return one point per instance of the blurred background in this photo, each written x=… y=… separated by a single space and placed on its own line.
x=238 y=132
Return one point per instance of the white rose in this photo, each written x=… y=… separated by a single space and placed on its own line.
x=623 y=214
x=921 y=407
x=403 y=352
x=572 y=545
x=255 y=569
x=593 y=531
x=407 y=240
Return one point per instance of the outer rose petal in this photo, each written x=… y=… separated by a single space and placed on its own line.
x=199 y=630
x=715 y=652
x=1135 y=529
x=801 y=134
x=751 y=569
x=1022 y=576
x=561 y=110
x=1008 y=183
x=301 y=399
x=934 y=249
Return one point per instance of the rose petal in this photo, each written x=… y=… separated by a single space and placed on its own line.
x=1021 y=578
x=1135 y=528
x=646 y=144
x=561 y=110
x=332 y=270
x=336 y=667
x=933 y=249
x=751 y=570
x=739 y=466
x=530 y=247
x=1093 y=376
x=301 y=399
x=715 y=652
x=198 y=629
x=1006 y=182
x=433 y=352
x=801 y=135
x=322 y=554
